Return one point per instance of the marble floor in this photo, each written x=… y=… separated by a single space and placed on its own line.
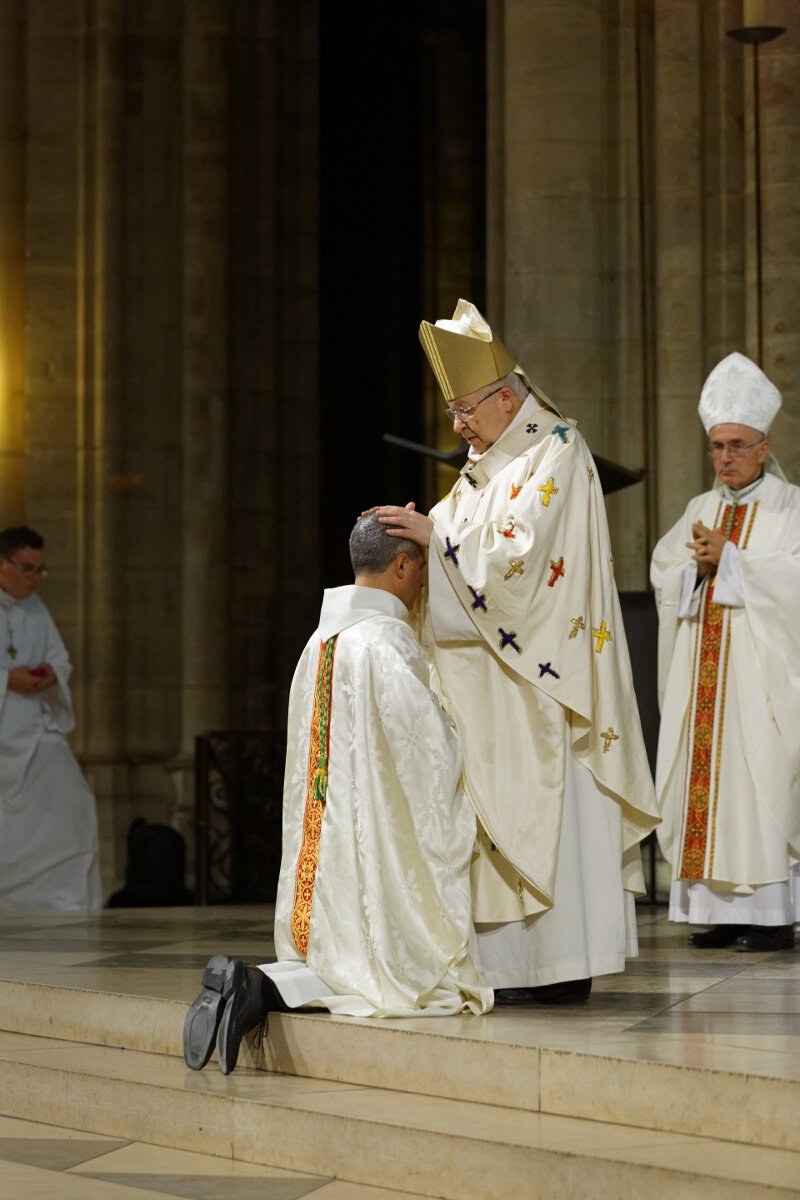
x=733 y=1011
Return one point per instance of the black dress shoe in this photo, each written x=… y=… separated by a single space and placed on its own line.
x=203 y=1018
x=253 y=996
x=716 y=937
x=571 y=991
x=514 y=995
x=766 y=937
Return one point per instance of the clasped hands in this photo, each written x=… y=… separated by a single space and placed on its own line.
x=706 y=547
x=28 y=680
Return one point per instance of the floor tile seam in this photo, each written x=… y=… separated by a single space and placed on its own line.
x=700 y=1071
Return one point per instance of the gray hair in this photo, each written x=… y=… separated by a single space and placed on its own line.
x=373 y=549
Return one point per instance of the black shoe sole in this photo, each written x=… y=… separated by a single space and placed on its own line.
x=205 y=1013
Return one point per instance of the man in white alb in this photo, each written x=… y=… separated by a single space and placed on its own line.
x=529 y=655
x=372 y=916
x=48 y=823
x=727 y=582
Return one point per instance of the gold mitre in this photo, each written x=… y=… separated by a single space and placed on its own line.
x=464 y=353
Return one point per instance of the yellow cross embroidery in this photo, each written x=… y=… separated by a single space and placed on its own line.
x=602 y=636
x=548 y=489
x=577 y=623
x=608 y=737
x=590 y=473
x=515 y=567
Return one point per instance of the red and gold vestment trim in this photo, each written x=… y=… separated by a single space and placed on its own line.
x=708 y=688
x=316 y=789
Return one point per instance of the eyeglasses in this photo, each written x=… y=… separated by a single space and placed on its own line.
x=464 y=414
x=29 y=569
x=737 y=450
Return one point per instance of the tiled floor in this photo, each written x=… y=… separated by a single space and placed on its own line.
x=732 y=1011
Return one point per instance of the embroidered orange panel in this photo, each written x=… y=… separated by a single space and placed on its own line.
x=316 y=789
x=708 y=684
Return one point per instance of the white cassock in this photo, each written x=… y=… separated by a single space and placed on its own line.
x=372 y=915
x=728 y=770
x=530 y=659
x=48 y=823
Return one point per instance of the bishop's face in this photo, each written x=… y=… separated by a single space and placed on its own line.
x=482 y=416
x=21 y=572
x=737 y=452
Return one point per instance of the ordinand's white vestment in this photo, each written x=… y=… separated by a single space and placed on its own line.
x=48 y=823
x=372 y=914
x=525 y=630
x=728 y=771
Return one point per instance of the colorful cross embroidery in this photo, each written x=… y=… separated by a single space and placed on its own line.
x=515 y=567
x=558 y=570
x=577 y=623
x=507 y=639
x=548 y=489
x=546 y=669
x=515 y=491
x=479 y=601
x=509 y=530
x=472 y=482
x=590 y=473
x=531 y=428
x=608 y=737
x=452 y=552
x=602 y=636
x=562 y=431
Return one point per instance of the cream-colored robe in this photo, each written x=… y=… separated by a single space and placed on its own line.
x=390 y=928
x=525 y=630
x=752 y=791
x=48 y=823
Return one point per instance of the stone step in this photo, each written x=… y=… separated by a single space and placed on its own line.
x=460 y=1059
x=424 y=1145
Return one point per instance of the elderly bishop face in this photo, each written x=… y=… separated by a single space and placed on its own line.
x=738 y=453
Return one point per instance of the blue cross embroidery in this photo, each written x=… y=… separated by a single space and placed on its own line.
x=562 y=431
x=472 y=482
x=452 y=552
x=531 y=428
x=507 y=639
x=479 y=601
x=546 y=669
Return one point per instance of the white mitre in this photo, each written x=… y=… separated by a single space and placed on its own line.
x=737 y=392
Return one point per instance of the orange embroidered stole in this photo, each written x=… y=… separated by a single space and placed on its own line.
x=708 y=688
x=316 y=789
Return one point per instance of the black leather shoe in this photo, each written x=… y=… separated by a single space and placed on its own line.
x=514 y=995
x=766 y=937
x=571 y=991
x=203 y=1018
x=716 y=937
x=252 y=997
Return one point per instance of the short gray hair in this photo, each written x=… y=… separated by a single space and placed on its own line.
x=373 y=549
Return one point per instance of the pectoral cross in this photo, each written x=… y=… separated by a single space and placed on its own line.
x=548 y=489
x=558 y=570
x=602 y=636
x=608 y=737
x=577 y=623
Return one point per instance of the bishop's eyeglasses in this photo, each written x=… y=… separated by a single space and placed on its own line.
x=736 y=450
x=464 y=414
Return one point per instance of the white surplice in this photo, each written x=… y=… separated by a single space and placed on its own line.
x=390 y=927
x=48 y=824
x=732 y=830
x=525 y=631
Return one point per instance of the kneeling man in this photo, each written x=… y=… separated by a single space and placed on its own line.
x=372 y=916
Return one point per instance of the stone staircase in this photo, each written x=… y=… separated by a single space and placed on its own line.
x=396 y=1104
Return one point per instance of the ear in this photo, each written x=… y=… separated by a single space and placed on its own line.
x=763 y=451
